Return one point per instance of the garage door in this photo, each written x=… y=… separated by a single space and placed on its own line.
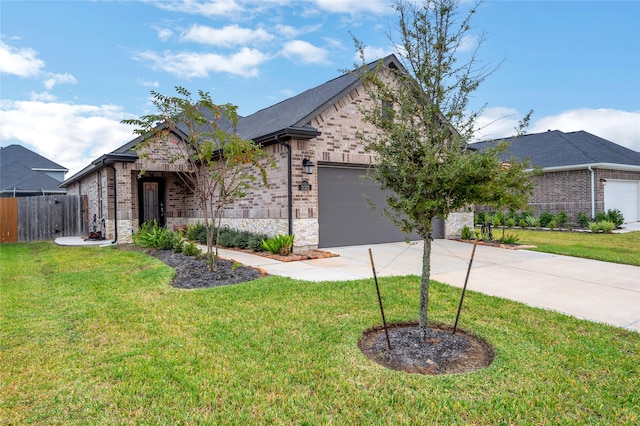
x=345 y=217
x=623 y=195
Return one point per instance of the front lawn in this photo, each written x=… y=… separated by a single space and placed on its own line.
x=98 y=336
x=616 y=248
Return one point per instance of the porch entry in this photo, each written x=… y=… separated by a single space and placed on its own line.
x=151 y=200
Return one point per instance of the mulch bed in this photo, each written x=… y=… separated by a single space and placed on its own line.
x=441 y=353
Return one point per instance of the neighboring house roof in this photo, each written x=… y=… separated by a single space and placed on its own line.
x=559 y=150
x=290 y=117
x=23 y=171
x=20 y=154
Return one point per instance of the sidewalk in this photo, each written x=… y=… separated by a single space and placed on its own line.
x=594 y=290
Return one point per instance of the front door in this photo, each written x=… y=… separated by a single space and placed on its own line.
x=151 y=198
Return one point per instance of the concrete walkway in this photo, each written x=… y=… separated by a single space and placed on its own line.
x=594 y=290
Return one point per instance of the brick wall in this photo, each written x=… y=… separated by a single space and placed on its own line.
x=571 y=191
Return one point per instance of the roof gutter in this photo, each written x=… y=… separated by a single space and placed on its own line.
x=611 y=166
x=292 y=132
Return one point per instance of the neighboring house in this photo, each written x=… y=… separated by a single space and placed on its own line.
x=582 y=173
x=24 y=173
x=324 y=208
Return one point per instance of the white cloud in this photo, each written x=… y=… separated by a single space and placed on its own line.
x=164 y=34
x=59 y=78
x=497 y=122
x=621 y=127
x=305 y=52
x=288 y=31
x=20 y=62
x=43 y=97
x=205 y=8
x=372 y=53
x=70 y=135
x=227 y=36
x=191 y=64
x=147 y=83
x=353 y=7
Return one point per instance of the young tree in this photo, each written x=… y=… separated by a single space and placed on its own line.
x=219 y=164
x=422 y=147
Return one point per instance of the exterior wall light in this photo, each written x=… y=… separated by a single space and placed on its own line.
x=308 y=166
x=603 y=182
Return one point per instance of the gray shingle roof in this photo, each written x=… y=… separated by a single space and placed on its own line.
x=559 y=149
x=12 y=153
x=298 y=111
x=17 y=173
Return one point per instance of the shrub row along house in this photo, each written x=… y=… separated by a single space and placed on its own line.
x=582 y=173
x=316 y=190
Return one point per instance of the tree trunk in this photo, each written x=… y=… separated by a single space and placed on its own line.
x=424 y=287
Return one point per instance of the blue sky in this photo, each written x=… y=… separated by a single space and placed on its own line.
x=71 y=70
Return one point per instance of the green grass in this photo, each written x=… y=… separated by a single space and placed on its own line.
x=97 y=336
x=616 y=248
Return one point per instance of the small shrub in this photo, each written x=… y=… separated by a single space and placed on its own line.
x=545 y=219
x=498 y=218
x=241 y=239
x=561 y=217
x=583 y=219
x=510 y=222
x=466 y=233
x=509 y=239
x=479 y=218
x=226 y=237
x=600 y=217
x=151 y=235
x=593 y=226
x=190 y=249
x=552 y=224
x=197 y=233
x=606 y=226
x=255 y=242
x=478 y=234
x=615 y=216
x=280 y=244
x=532 y=221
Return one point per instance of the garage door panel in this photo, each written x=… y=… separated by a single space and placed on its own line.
x=345 y=217
x=624 y=196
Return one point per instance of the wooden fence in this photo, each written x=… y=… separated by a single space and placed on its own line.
x=40 y=218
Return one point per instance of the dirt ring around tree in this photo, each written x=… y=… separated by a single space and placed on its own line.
x=441 y=353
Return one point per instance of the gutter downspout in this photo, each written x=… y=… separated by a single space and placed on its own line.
x=593 y=192
x=115 y=202
x=289 y=183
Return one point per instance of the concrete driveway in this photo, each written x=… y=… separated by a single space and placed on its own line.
x=598 y=291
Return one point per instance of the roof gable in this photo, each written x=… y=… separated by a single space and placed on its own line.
x=559 y=149
x=298 y=111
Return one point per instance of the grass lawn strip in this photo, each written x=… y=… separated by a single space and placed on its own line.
x=615 y=248
x=92 y=335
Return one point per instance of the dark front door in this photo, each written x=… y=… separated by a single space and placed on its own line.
x=151 y=197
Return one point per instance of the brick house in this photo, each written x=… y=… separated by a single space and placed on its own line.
x=582 y=173
x=324 y=208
